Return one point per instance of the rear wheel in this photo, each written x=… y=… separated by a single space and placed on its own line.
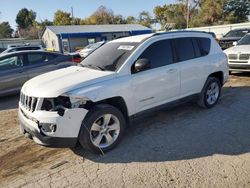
x=210 y=93
x=102 y=129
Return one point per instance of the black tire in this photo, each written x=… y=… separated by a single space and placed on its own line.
x=230 y=72
x=92 y=116
x=203 y=100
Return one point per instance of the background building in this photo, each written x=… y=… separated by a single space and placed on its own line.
x=72 y=37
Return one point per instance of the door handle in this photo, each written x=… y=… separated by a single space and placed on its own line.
x=173 y=70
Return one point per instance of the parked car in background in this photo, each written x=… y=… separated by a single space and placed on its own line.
x=75 y=57
x=92 y=103
x=90 y=48
x=232 y=36
x=17 y=48
x=18 y=67
x=239 y=55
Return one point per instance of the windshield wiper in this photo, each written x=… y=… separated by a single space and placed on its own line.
x=93 y=67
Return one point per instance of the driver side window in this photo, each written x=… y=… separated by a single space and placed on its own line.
x=159 y=54
x=11 y=62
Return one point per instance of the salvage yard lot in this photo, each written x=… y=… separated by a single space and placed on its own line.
x=184 y=146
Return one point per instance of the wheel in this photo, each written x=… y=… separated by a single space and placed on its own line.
x=230 y=72
x=102 y=129
x=210 y=93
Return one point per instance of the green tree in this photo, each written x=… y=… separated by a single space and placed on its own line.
x=5 y=30
x=25 y=18
x=119 y=19
x=102 y=15
x=45 y=23
x=145 y=19
x=131 y=20
x=237 y=11
x=76 y=21
x=32 y=32
x=173 y=14
x=62 y=18
x=211 y=12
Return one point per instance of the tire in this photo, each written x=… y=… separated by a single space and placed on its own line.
x=210 y=93
x=230 y=72
x=102 y=129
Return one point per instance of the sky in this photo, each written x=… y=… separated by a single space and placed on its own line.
x=45 y=9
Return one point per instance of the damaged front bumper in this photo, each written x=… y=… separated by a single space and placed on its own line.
x=49 y=128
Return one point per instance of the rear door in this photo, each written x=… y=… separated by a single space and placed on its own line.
x=12 y=73
x=192 y=63
x=42 y=62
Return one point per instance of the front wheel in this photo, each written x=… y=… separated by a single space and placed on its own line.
x=102 y=129
x=210 y=93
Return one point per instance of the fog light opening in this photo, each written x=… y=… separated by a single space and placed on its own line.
x=47 y=127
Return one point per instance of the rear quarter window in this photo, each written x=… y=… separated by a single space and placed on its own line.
x=204 y=45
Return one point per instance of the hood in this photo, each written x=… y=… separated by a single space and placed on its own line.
x=243 y=49
x=58 y=82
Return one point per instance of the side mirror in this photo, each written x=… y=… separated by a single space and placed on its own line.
x=141 y=65
x=235 y=43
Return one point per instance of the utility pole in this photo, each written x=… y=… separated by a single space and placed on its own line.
x=72 y=14
x=187 y=18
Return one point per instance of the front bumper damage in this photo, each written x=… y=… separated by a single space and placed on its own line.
x=48 y=128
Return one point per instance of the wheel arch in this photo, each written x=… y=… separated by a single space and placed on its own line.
x=117 y=102
x=219 y=75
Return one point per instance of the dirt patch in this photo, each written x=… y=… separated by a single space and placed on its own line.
x=19 y=155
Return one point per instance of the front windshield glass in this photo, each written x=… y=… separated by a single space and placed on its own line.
x=237 y=33
x=110 y=56
x=245 y=40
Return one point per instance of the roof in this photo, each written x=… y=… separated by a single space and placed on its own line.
x=96 y=28
x=26 y=52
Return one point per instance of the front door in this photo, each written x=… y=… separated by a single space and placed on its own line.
x=12 y=73
x=160 y=83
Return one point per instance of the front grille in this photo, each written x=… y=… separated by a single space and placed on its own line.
x=232 y=56
x=244 y=56
x=29 y=103
x=238 y=61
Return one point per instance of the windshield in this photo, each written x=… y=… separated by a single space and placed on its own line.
x=110 y=56
x=245 y=40
x=237 y=33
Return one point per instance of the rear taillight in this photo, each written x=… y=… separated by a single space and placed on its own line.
x=76 y=60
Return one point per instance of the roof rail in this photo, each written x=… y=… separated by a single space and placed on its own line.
x=180 y=31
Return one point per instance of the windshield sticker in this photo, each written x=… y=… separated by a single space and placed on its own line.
x=126 y=47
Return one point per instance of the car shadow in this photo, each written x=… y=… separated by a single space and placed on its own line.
x=9 y=102
x=185 y=132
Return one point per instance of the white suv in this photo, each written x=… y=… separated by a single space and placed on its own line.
x=92 y=103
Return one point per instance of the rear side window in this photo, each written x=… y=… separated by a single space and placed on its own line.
x=40 y=58
x=205 y=45
x=184 y=48
x=158 y=53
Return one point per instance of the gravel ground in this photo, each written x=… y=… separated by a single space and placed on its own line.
x=180 y=147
